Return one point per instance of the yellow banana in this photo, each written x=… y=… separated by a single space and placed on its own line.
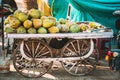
x=44 y=7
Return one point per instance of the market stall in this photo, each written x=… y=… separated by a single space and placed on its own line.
x=34 y=36
x=39 y=40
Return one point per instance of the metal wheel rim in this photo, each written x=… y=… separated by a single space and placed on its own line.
x=76 y=67
x=32 y=67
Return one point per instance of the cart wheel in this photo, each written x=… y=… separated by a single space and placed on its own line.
x=32 y=67
x=77 y=48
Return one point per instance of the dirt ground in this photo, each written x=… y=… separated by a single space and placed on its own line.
x=102 y=72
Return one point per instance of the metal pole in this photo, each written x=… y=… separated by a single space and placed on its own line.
x=2 y=25
x=68 y=12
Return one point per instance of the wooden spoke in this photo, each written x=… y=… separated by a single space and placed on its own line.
x=72 y=53
x=45 y=53
x=78 y=46
x=73 y=65
x=33 y=47
x=28 y=50
x=73 y=47
x=40 y=51
x=37 y=48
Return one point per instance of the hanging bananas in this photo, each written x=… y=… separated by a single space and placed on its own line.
x=44 y=7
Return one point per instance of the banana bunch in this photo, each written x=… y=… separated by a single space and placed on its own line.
x=44 y=7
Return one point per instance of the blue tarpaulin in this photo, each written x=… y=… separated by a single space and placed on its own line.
x=59 y=8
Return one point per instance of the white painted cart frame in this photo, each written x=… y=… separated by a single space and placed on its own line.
x=72 y=60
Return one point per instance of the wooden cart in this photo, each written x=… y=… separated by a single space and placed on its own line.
x=33 y=56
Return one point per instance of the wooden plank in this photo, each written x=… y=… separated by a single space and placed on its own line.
x=80 y=35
